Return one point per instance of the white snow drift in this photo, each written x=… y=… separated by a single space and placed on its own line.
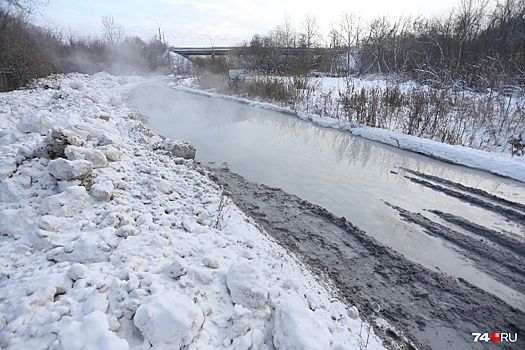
x=109 y=241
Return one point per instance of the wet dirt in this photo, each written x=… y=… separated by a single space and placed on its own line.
x=501 y=264
x=427 y=309
x=510 y=210
x=471 y=190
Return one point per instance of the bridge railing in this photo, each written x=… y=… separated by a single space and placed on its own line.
x=196 y=51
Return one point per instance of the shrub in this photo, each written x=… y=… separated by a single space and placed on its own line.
x=26 y=52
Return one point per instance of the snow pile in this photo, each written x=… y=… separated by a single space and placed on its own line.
x=247 y=285
x=94 y=331
x=169 y=320
x=297 y=328
x=109 y=240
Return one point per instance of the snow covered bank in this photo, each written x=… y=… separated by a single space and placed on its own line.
x=495 y=162
x=109 y=240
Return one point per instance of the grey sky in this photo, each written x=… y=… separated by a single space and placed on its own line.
x=221 y=23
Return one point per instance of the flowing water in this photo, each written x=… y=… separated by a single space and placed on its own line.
x=347 y=175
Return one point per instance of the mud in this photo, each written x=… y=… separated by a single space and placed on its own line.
x=427 y=309
x=510 y=210
x=499 y=263
x=476 y=191
x=509 y=243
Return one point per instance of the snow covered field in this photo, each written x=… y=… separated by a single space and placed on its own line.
x=497 y=162
x=109 y=241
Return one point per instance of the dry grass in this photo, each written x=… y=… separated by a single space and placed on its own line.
x=489 y=121
x=482 y=121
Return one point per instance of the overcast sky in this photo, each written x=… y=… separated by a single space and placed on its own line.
x=217 y=23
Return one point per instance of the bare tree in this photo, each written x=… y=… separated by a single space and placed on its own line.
x=467 y=24
x=350 y=27
x=286 y=33
x=27 y=6
x=113 y=32
x=26 y=52
x=310 y=33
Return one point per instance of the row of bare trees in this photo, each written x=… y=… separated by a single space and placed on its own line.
x=25 y=51
x=125 y=56
x=479 y=44
x=28 y=51
x=476 y=46
x=275 y=51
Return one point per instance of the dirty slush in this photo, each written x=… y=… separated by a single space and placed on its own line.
x=425 y=309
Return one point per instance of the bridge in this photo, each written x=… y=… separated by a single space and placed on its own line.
x=222 y=51
x=203 y=51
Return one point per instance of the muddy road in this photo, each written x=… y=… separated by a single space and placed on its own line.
x=425 y=309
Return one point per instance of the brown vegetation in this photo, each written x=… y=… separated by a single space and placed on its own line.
x=480 y=44
x=470 y=66
x=28 y=52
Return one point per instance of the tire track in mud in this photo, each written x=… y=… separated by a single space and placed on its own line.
x=486 y=257
x=513 y=245
x=461 y=187
x=511 y=214
x=434 y=310
x=507 y=252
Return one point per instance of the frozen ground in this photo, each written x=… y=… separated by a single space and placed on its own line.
x=109 y=241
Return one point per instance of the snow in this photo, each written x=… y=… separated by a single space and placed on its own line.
x=68 y=203
x=93 y=330
x=297 y=328
x=168 y=320
x=39 y=122
x=63 y=169
x=132 y=252
x=180 y=149
x=102 y=191
x=7 y=167
x=247 y=285
x=78 y=271
x=94 y=156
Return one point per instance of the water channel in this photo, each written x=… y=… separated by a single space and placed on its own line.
x=349 y=176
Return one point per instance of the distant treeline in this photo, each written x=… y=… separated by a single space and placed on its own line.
x=478 y=45
x=28 y=51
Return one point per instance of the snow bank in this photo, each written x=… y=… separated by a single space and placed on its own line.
x=108 y=241
x=494 y=162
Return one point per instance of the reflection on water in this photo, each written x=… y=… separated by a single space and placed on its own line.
x=349 y=176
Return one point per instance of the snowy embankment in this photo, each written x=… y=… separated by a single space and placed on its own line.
x=495 y=162
x=109 y=241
